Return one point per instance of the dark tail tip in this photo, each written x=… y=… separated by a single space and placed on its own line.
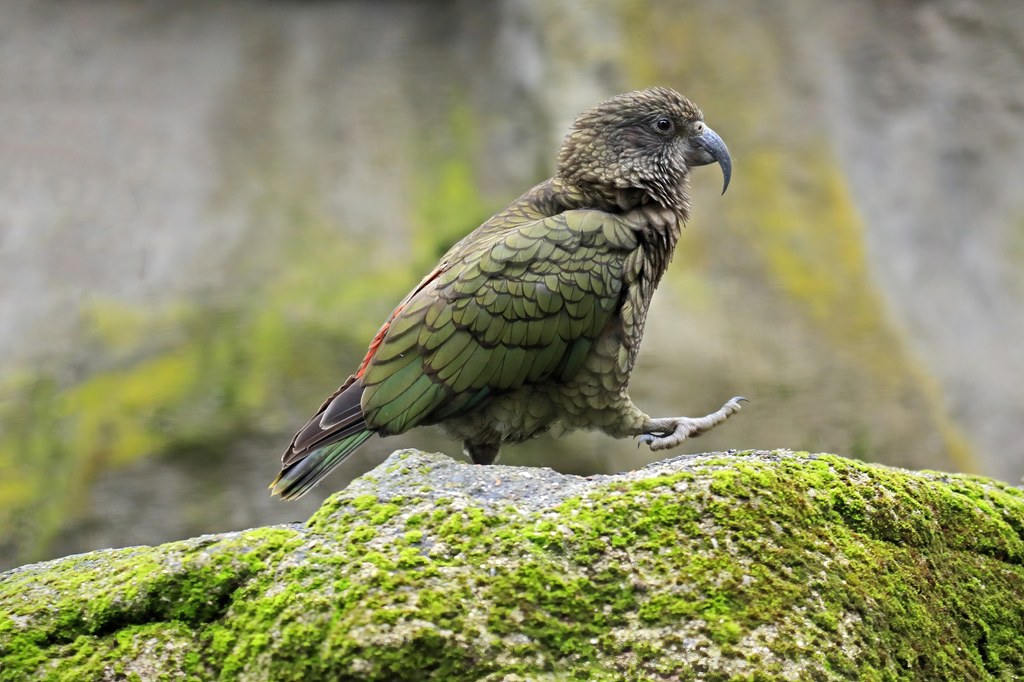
x=296 y=479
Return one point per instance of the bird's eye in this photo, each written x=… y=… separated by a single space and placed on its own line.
x=663 y=124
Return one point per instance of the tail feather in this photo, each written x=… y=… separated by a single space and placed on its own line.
x=296 y=479
x=334 y=432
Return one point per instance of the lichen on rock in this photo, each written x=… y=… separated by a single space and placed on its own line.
x=751 y=565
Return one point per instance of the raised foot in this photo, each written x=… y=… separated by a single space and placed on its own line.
x=669 y=432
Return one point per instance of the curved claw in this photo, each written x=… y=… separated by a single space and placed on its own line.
x=670 y=431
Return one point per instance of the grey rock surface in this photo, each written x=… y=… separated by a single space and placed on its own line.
x=717 y=566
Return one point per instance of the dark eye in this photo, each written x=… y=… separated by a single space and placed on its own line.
x=663 y=124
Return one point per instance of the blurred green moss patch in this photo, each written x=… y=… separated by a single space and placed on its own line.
x=189 y=378
x=183 y=378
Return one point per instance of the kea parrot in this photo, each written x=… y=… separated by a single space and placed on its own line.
x=534 y=319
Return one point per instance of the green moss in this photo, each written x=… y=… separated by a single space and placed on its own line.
x=727 y=567
x=121 y=606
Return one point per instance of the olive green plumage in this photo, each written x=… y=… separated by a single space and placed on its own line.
x=534 y=319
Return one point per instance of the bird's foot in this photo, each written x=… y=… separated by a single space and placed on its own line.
x=669 y=432
x=481 y=453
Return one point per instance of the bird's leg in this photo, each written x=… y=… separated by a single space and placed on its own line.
x=668 y=432
x=481 y=453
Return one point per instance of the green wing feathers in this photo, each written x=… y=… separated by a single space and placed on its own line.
x=512 y=304
x=519 y=301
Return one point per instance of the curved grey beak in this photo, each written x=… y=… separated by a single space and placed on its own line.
x=709 y=148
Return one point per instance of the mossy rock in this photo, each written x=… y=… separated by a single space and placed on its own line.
x=729 y=566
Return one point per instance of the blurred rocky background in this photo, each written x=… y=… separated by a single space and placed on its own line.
x=207 y=209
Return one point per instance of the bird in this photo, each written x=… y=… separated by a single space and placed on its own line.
x=533 y=321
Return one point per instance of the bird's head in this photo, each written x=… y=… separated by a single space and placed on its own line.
x=641 y=144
